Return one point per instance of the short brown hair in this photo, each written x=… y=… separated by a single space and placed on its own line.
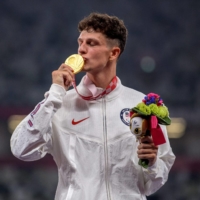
x=111 y=26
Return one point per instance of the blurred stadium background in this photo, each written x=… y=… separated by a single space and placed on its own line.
x=162 y=56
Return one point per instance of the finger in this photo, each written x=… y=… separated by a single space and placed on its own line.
x=151 y=159
x=147 y=146
x=64 y=67
x=146 y=139
x=68 y=78
x=147 y=151
x=147 y=156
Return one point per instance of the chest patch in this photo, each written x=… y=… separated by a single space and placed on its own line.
x=125 y=116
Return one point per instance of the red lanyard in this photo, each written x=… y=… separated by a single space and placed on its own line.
x=108 y=89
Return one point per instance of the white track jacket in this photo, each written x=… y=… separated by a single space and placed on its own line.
x=91 y=143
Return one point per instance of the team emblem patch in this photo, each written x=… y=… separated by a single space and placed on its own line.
x=125 y=116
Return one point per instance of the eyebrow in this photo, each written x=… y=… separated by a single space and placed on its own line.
x=94 y=39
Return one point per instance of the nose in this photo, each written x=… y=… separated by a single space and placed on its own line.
x=82 y=49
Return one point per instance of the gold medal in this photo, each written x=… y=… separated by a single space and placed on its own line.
x=76 y=62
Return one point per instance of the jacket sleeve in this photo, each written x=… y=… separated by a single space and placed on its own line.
x=157 y=175
x=32 y=139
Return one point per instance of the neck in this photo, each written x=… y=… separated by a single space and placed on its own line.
x=101 y=79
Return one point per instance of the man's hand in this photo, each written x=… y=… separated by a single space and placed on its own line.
x=63 y=76
x=147 y=150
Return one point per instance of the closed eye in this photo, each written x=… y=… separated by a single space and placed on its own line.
x=92 y=42
x=89 y=42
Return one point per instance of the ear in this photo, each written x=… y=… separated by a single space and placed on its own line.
x=114 y=54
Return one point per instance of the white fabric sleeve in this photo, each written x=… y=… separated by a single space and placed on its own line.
x=32 y=139
x=156 y=175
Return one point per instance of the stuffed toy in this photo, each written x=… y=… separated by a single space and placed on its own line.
x=145 y=120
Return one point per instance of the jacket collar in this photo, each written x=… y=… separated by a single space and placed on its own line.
x=87 y=88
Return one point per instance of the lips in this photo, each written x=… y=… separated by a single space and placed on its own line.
x=85 y=60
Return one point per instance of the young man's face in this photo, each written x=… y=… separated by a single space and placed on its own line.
x=95 y=49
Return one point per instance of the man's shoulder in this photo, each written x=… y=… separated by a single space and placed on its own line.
x=133 y=92
x=131 y=97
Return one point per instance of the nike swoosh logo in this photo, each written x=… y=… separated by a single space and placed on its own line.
x=77 y=122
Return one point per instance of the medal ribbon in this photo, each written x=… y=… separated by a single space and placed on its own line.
x=156 y=132
x=108 y=89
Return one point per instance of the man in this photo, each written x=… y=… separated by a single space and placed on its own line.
x=86 y=130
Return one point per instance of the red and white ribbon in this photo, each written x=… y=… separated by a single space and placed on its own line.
x=108 y=89
x=156 y=132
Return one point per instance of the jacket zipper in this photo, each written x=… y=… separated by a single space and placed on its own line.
x=105 y=148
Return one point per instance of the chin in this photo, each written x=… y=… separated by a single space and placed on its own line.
x=86 y=68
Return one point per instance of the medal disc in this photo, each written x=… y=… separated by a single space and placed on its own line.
x=76 y=62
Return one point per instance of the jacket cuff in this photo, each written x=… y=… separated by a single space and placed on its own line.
x=152 y=169
x=57 y=89
x=55 y=95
